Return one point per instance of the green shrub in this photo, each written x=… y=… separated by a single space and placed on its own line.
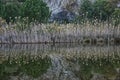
x=35 y=10
x=21 y=0
x=86 y=9
x=103 y=9
x=116 y=16
x=100 y=9
x=116 y=13
x=36 y=68
x=0 y=7
x=10 y=10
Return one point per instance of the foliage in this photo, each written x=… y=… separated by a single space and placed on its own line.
x=100 y=9
x=30 y=67
x=36 y=68
x=21 y=24
x=0 y=7
x=35 y=10
x=21 y=0
x=86 y=8
x=101 y=65
x=116 y=13
x=116 y=16
x=103 y=9
x=10 y=11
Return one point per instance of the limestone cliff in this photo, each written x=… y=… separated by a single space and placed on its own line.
x=66 y=10
x=59 y=5
x=63 y=9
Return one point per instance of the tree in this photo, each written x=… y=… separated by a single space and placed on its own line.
x=103 y=9
x=35 y=10
x=10 y=10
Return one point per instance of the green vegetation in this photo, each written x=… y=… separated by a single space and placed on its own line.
x=25 y=13
x=33 y=67
x=36 y=10
x=100 y=9
x=10 y=11
x=116 y=16
x=105 y=66
x=33 y=9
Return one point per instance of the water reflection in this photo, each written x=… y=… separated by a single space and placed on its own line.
x=59 y=62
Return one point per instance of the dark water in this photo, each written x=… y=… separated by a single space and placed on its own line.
x=59 y=62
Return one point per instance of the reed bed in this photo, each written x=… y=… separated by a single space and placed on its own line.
x=86 y=32
x=71 y=52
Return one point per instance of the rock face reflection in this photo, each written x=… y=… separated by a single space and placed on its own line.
x=60 y=69
x=59 y=62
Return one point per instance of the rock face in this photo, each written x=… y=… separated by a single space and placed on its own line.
x=63 y=10
x=63 y=16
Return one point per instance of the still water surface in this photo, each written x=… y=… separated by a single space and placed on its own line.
x=59 y=62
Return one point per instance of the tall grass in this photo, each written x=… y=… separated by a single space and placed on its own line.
x=22 y=31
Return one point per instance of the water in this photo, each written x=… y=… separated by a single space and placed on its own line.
x=59 y=62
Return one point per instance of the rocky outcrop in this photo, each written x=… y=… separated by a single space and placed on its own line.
x=63 y=9
x=63 y=16
x=57 y=6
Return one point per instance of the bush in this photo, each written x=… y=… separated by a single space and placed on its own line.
x=10 y=10
x=116 y=16
x=116 y=13
x=0 y=7
x=100 y=9
x=103 y=9
x=35 y=10
x=21 y=0
x=86 y=9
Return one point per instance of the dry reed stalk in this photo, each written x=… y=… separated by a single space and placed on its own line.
x=69 y=52
x=52 y=33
